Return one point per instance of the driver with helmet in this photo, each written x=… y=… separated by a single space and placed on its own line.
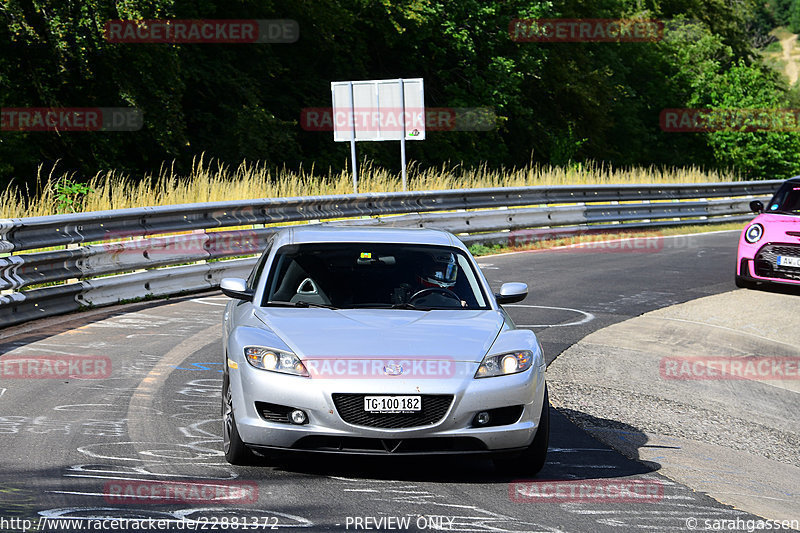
x=435 y=282
x=438 y=271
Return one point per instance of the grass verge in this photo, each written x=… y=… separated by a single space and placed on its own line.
x=210 y=182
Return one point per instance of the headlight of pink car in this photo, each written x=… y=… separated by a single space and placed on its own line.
x=754 y=233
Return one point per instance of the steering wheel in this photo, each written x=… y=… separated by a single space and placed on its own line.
x=432 y=290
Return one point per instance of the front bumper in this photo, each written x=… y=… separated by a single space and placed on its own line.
x=762 y=267
x=327 y=431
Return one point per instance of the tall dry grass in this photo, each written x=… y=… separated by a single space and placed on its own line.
x=209 y=182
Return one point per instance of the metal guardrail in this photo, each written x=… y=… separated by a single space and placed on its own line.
x=40 y=232
x=120 y=244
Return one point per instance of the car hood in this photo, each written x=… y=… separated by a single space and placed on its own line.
x=458 y=335
x=777 y=229
x=772 y=218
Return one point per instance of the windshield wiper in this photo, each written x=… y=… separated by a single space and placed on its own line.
x=413 y=307
x=299 y=303
x=391 y=306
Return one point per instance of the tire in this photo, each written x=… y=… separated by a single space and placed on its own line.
x=236 y=451
x=530 y=461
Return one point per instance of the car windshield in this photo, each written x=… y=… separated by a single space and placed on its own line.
x=369 y=275
x=786 y=200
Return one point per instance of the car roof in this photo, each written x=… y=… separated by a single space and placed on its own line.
x=329 y=233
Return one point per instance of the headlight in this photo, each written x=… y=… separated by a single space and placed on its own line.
x=754 y=233
x=505 y=364
x=275 y=360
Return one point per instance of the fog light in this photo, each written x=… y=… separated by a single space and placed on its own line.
x=482 y=418
x=298 y=417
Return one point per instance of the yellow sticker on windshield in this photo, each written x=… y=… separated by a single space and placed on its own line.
x=366 y=255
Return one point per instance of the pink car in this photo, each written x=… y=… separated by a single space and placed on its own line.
x=769 y=248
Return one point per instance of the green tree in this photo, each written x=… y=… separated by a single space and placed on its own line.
x=780 y=10
x=769 y=154
x=794 y=16
x=556 y=102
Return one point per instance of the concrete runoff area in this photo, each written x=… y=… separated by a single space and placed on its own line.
x=732 y=436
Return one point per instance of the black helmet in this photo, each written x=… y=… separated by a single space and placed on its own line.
x=439 y=270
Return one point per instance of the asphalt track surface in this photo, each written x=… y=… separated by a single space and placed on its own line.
x=67 y=444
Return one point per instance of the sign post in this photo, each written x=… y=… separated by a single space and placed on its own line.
x=403 y=137
x=353 y=158
x=378 y=110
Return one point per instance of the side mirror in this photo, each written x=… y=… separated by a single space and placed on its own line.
x=236 y=288
x=511 y=293
x=756 y=206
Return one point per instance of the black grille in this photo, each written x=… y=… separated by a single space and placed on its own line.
x=766 y=261
x=273 y=412
x=351 y=409
x=389 y=446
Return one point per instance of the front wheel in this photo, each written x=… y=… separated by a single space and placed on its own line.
x=530 y=461
x=236 y=451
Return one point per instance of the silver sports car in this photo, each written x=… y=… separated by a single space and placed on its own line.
x=379 y=341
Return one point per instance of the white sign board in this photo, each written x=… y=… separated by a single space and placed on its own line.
x=378 y=110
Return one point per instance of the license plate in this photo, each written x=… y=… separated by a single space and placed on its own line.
x=788 y=261
x=392 y=404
